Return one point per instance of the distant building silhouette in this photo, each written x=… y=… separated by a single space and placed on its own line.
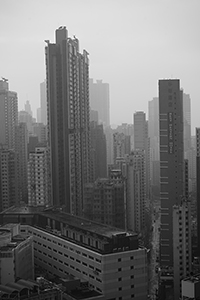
x=43 y=103
x=98 y=151
x=141 y=142
x=25 y=117
x=40 y=130
x=68 y=120
x=153 y=132
x=22 y=157
x=27 y=108
x=39 y=115
x=100 y=101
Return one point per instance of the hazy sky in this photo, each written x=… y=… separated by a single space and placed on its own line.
x=132 y=44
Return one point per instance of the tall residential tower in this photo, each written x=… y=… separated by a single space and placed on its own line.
x=67 y=72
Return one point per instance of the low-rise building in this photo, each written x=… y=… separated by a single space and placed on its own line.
x=16 y=255
x=108 y=258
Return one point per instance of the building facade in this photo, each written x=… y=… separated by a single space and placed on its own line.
x=182 y=248
x=141 y=142
x=171 y=166
x=153 y=132
x=67 y=72
x=22 y=159
x=98 y=151
x=135 y=191
x=104 y=200
x=121 y=145
x=9 y=189
x=8 y=115
x=38 y=178
x=198 y=185
x=16 y=255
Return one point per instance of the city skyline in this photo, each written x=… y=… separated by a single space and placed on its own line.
x=132 y=46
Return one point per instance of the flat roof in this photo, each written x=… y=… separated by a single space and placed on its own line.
x=193 y=279
x=86 y=224
x=15 y=241
x=23 y=210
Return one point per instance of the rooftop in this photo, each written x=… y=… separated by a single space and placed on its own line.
x=16 y=240
x=193 y=279
x=85 y=224
x=23 y=210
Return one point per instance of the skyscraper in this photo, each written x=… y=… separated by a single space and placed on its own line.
x=100 y=101
x=98 y=149
x=27 y=108
x=153 y=132
x=9 y=192
x=141 y=142
x=8 y=115
x=171 y=165
x=21 y=151
x=38 y=178
x=135 y=196
x=121 y=145
x=68 y=120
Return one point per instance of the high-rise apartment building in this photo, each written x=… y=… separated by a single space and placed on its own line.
x=182 y=254
x=171 y=165
x=9 y=191
x=198 y=185
x=121 y=145
x=67 y=72
x=153 y=132
x=43 y=103
x=8 y=115
x=100 y=101
x=135 y=191
x=104 y=200
x=141 y=142
x=22 y=157
x=40 y=130
x=25 y=117
x=38 y=178
x=98 y=151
